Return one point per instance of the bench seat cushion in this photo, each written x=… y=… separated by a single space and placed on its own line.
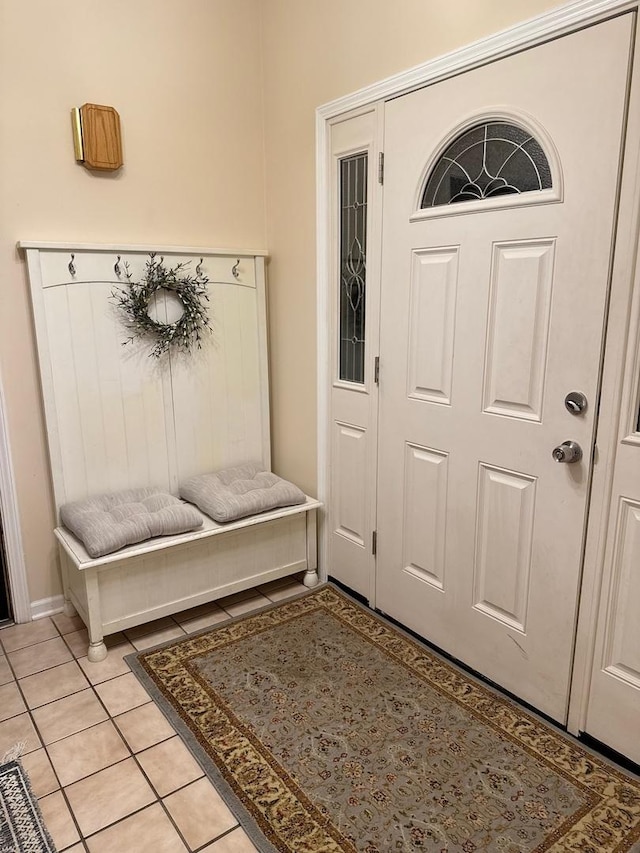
x=237 y=492
x=108 y=522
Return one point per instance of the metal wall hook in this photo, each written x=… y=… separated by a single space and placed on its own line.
x=199 y=268
x=71 y=266
x=234 y=269
x=117 y=268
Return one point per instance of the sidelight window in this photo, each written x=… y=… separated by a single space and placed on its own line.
x=353 y=266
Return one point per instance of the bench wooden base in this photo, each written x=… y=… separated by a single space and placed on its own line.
x=169 y=574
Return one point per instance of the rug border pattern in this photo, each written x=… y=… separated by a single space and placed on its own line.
x=612 y=798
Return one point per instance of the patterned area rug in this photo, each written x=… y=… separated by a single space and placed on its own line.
x=22 y=829
x=325 y=728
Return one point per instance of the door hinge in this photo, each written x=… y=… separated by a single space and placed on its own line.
x=381 y=167
x=374 y=542
x=376 y=370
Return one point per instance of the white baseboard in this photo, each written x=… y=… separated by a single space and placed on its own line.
x=47 y=607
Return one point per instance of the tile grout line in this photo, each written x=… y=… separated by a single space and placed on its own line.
x=24 y=698
x=46 y=751
x=158 y=799
x=45 y=747
x=218 y=837
x=113 y=719
x=131 y=755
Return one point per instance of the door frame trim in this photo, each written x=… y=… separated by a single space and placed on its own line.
x=564 y=20
x=14 y=552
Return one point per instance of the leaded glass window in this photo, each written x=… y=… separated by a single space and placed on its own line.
x=353 y=266
x=490 y=159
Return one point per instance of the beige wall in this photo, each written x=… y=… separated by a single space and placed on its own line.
x=185 y=78
x=192 y=89
x=316 y=51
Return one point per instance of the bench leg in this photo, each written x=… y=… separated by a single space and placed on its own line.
x=68 y=609
x=311 y=577
x=97 y=650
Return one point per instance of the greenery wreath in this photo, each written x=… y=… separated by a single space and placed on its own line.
x=191 y=290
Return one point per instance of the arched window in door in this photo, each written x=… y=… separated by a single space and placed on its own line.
x=490 y=159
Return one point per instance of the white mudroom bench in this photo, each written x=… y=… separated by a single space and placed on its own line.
x=168 y=574
x=118 y=418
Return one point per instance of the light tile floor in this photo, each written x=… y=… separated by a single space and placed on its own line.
x=110 y=773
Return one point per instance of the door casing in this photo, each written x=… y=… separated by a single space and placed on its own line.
x=16 y=568
x=559 y=22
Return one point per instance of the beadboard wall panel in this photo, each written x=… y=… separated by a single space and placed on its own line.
x=118 y=418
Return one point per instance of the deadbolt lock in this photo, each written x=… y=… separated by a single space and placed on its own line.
x=575 y=402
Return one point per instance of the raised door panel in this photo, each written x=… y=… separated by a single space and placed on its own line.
x=613 y=711
x=348 y=498
x=622 y=628
x=424 y=514
x=518 y=329
x=434 y=279
x=504 y=536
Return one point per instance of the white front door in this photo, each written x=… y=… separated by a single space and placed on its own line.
x=492 y=311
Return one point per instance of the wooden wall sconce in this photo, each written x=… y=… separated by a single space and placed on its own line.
x=96 y=137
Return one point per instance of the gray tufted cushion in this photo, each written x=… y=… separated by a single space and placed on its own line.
x=237 y=492
x=109 y=522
